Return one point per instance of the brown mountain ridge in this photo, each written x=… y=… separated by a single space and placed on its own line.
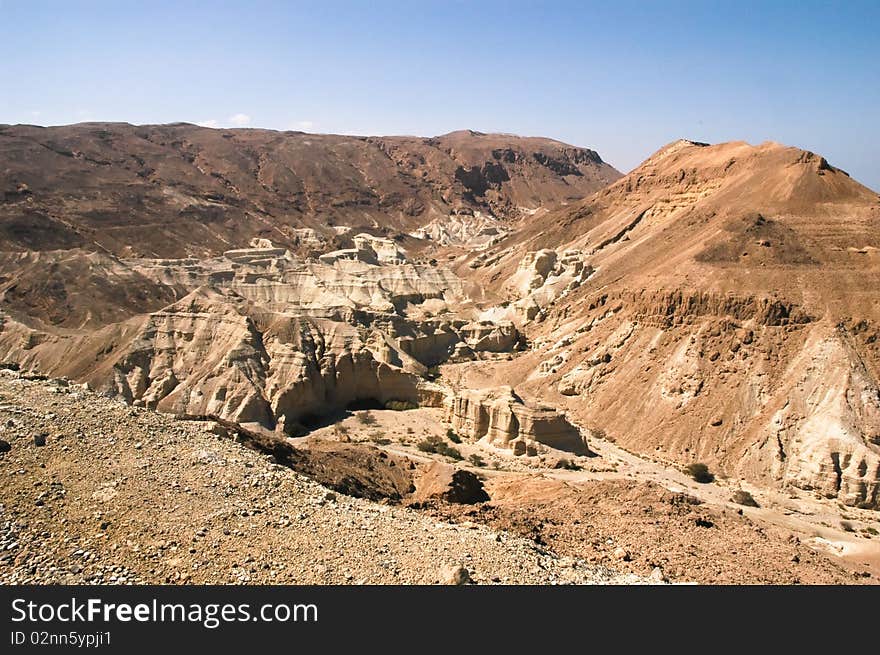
x=511 y=307
x=178 y=190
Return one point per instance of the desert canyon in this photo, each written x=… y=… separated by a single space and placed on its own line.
x=499 y=342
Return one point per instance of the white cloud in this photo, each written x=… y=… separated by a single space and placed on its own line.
x=304 y=125
x=209 y=123
x=240 y=120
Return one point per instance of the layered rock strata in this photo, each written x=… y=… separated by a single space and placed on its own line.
x=503 y=419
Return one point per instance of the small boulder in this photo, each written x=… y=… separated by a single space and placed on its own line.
x=40 y=439
x=443 y=482
x=5 y=446
x=742 y=497
x=657 y=576
x=455 y=575
x=212 y=427
x=622 y=554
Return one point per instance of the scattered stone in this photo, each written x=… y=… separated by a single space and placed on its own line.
x=172 y=521
x=455 y=575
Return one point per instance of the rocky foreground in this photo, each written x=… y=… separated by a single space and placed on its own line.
x=118 y=494
x=95 y=491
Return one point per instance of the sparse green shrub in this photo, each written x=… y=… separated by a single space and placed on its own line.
x=567 y=464
x=426 y=446
x=871 y=531
x=476 y=460
x=454 y=438
x=367 y=418
x=700 y=472
x=846 y=526
x=400 y=405
x=742 y=497
x=429 y=444
x=435 y=444
x=454 y=453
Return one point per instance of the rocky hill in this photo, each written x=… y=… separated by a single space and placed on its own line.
x=717 y=304
x=180 y=190
x=399 y=318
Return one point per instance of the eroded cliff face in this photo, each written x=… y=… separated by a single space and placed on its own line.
x=829 y=425
x=784 y=404
x=729 y=315
x=265 y=337
x=503 y=419
x=719 y=304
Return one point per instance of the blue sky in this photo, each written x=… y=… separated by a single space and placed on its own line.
x=623 y=79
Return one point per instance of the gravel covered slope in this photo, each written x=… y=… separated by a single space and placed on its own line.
x=123 y=495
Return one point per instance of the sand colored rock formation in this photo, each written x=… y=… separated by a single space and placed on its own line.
x=205 y=355
x=264 y=336
x=383 y=250
x=368 y=249
x=464 y=227
x=829 y=426
x=503 y=419
x=545 y=276
x=731 y=315
x=719 y=303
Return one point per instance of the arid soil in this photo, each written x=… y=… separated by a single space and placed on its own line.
x=124 y=495
x=180 y=190
x=486 y=329
x=662 y=519
x=85 y=508
x=647 y=527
